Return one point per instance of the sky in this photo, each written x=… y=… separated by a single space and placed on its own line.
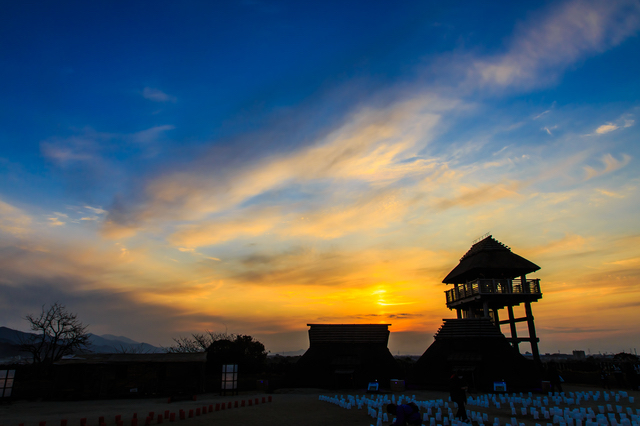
x=256 y=166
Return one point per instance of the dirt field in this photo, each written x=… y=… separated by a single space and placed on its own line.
x=293 y=407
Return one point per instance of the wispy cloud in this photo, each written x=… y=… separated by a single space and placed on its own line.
x=606 y=128
x=369 y=149
x=469 y=196
x=79 y=148
x=541 y=114
x=90 y=148
x=623 y=122
x=368 y=213
x=13 y=220
x=96 y=210
x=216 y=231
x=611 y=164
x=610 y=194
x=157 y=95
x=546 y=46
x=627 y=262
x=55 y=221
x=568 y=243
x=150 y=135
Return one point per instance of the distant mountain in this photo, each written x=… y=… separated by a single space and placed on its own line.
x=109 y=343
x=10 y=336
x=10 y=339
x=9 y=343
x=118 y=338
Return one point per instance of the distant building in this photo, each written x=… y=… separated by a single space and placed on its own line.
x=579 y=355
x=346 y=356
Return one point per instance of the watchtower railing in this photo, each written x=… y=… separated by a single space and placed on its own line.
x=493 y=286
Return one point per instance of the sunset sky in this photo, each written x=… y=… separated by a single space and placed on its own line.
x=256 y=166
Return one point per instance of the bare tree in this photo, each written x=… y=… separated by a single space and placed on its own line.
x=58 y=333
x=224 y=348
x=139 y=349
x=197 y=342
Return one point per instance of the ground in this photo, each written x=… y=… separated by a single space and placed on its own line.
x=288 y=407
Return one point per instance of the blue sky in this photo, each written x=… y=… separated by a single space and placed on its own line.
x=258 y=166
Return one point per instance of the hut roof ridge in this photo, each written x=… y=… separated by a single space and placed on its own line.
x=488 y=243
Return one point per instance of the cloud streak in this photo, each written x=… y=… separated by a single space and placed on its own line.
x=546 y=46
x=13 y=220
x=611 y=164
x=157 y=95
x=368 y=150
x=469 y=196
x=606 y=128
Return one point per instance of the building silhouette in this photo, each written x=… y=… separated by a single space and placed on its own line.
x=346 y=356
x=488 y=279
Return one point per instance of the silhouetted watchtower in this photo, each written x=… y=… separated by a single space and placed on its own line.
x=491 y=277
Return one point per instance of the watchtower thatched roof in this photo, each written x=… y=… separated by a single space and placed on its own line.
x=489 y=258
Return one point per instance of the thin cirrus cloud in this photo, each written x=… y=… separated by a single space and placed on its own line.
x=368 y=213
x=623 y=122
x=13 y=220
x=469 y=196
x=89 y=146
x=214 y=232
x=96 y=210
x=55 y=221
x=568 y=243
x=606 y=128
x=157 y=95
x=150 y=135
x=544 y=47
x=611 y=164
x=368 y=149
x=71 y=150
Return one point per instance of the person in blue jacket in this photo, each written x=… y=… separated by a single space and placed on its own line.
x=405 y=414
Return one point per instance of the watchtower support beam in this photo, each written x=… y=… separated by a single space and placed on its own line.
x=532 y=332
x=512 y=326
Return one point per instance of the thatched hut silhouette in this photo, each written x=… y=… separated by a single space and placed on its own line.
x=346 y=356
x=90 y=376
x=489 y=277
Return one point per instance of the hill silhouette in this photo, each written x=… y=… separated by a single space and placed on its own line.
x=10 y=341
